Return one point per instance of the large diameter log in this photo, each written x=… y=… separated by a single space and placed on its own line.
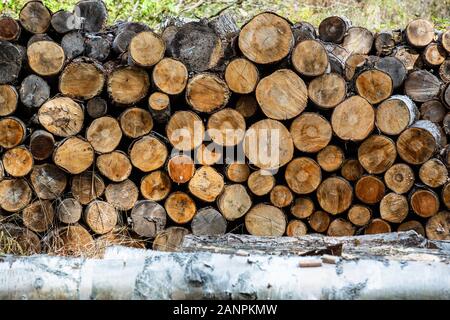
x=282 y=95
x=48 y=181
x=181 y=168
x=34 y=91
x=394 y=207
x=12 y=132
x=374 y=85
x=93 y=14
x=87 y=187
x=241 y=76
x=104 y=134
x=148 y=153
x=10 y=62
x=180 y=207
x=8 y=100
x=394 y=68
x=128 y=85
x=303 y=175
x=419 y=33
x=353 y=119
x=38 y=216
x=122 y=195
x=206 y=184
x=266 y=38
x=116 y=166
x=422 y=86
x=73 y=44
x=74 y=155
x=358 y=40
x=185 y=130
x=438 y=226
x=170 y=239
x=261 y=182
x=424 y=202
x=370 y=189
x=377 y=154
x=268 y=144
x=170 y=76
x=265 y=220
x=333 y=29
x=226 y=127
x=146 y=49
x=335 y=195
x=18 y=161
x=234 y=202
x=310 y=132
x=81 y=80
x=330 y=158
x=433 y=173
x=310 y=58
x=399 y=178
x=61 y=116
x=64 y=21
x=9 y=29
x=396 y=114
x=328 y=90
x=206 y=92
x=15 y=194
x=100 y=216
x=46 y=58
x=35 y=17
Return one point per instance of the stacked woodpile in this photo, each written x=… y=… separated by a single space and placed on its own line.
x=121 y=134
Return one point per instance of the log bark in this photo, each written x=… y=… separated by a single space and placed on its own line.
x=73 y=44
x=64 y=21
x=10 y=62
x=422 y=86
x=394 y=68
x=126 y=31
x=93 y=14
x=180 y=207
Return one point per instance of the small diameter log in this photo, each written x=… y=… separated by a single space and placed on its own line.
x=351 y=170
x=277 y=32
x=73 y=241
x=359 y=215
x=69 y=211
x=207 y=155
x=396 y=114
x=370 y=189
x=438 y=226
x=433 y=111
x=417 y=144
x=93 y=13
x=412 y=225
x=303 y=31
x=444 y=71
x=226 y=127
x=61 y=116
x=241 y=76
x=422 y=86
x=148 y=153
x=197 y=46
x=46 y=58
x=208 y=222
x=64 y=21
x=87 y=187
x=82 y=80
x=126 y=31
x=309 y=58
x=104 y=134
x=2 y=171
x=424 y=202
x=206 y=92
x=333 y=29
x=8 y=100
x=100 y=216
x=377 y=154
x=419 y=33
x=328 y=90
x=74 y=155
x=170 y=240
x=206 y=184
x=282 y=95
x=122 y=195
x=10 y=62
x=97 y=107
x=159 y=106
x=433 y=173
x=303 y=175
x=302 y=207
x=394 y=68
x=445 y=96
x=170 y=76
x=261 y=182
x=352 y=64
x=146 y=49
x=335 y=195
x=12 y=132
x=394 y=207
x=265 y=220
x=247 y=105
x=38 y=216
x=374 y=85
x=385 y=42
x=34 y=91
x=434 y=55
x=399 y=178
x=377 y=226
x=268 y=144
x=136 y=122
x=445 y=40
x=319 y=221
x=358 y=40
x=330 y=158
x=340 y=228
x=237 y=172
x=15 y=194
x=180 y=207
x=42 y=144
x=155 y=186
x=73 y=44
x=310 y=132
x=445 y=194
x=181 y=168
x=128 y=85
x=48 y=181
x=185 y=130
x=281 y=196
x=38 y=37
x=353 y=119
x=296 y=228
x=115 y=166
x=35 y=17
x=17 y=161
x=9 y=29
x=234 y=202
